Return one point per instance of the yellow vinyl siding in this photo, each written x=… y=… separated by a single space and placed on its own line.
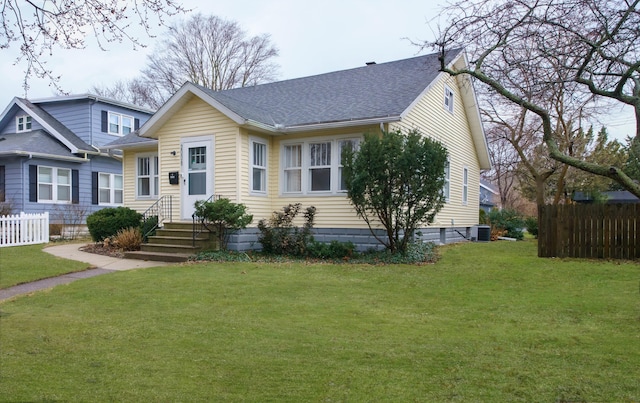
x=431 y=117
x=129 y=169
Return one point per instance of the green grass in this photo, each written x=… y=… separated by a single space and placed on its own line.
x=22 y=264
x=488 y=322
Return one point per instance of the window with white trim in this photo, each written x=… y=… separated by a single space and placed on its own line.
x=354 y=144
x=320 y=167
x=258 y=166
x=110 y=188
x=447 y=180
x=23 y=123
x=147 y=183
x=448 y=99
x=311 y=167
x=465 y=185
x=54 y=184
x=292 y=168
x=120 y=124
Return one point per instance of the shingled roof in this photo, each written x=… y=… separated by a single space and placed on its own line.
x=35 y=143
x=376 y=93
x=366 y=93
x=61 y=134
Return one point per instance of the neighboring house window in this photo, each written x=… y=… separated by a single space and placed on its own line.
x=448 y=99
x=293 y=168
x=109 y=188
x=120 y=124
x=147 y=176
x=354 y=144
x=258 y=159
x=465 y=185
x=23 y=124
x=313 y=167
x=447 y=181
x=54 y=184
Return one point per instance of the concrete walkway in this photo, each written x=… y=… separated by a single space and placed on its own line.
x=99 y=264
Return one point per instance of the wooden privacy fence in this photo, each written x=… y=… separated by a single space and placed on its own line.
x=24 y=229
x=600 y=231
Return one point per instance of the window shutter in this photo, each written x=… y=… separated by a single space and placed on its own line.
x=33 y=183
x=136 y=124
x=75 y=186
x=94 y=187
x=105 y=123
x=2 y=183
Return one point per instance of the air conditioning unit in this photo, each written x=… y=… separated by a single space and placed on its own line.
x=481 y=233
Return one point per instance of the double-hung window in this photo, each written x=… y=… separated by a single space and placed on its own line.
x=258 y=174
x=292 y=168
x=147 y=183
x=315 y=166
x=465 y=185
x=447 y=180
x=54 y=184
x=109 y=188
x=120 y=124
x=320 y=166
x=23 y=123
x=448 y=99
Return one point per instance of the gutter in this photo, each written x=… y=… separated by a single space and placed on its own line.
x=42 y=155
x=278 y=128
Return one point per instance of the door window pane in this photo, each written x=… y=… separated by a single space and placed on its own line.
x=197 y=158
x=197 y=183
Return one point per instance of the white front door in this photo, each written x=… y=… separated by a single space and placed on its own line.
x=197 y=173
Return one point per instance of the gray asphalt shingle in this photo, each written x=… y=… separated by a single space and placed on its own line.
x=369 y=92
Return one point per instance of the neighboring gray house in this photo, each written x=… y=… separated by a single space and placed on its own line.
x=489 y=196
x=51 y=158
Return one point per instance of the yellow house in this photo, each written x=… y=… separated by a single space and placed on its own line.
x=273 y=144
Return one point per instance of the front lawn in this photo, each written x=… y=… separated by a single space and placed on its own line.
x=22 y=264
x=488 y=322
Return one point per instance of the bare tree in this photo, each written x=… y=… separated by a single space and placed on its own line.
x=208 y=51
x=38 y=28
x=570 y=45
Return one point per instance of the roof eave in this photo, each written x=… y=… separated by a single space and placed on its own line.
x=181 y=97
x=131 y=146
x=43 y=155
x=281 y=130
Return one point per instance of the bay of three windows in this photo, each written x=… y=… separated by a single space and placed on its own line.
x=313 y=166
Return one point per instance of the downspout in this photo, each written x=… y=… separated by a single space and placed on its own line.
x=24 y=194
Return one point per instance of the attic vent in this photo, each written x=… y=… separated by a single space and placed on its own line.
x=370 y=63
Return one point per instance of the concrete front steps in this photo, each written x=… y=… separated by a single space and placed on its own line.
x=174 y=243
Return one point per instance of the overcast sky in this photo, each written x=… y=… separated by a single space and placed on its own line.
x=312 y=37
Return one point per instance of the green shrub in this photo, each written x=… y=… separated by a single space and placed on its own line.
x=332 y=250
x=107 y=222
x=531 y=223
x=507 y=220
x=223 y=217
x=279 y=236
x=148 y=227
x=482 y=218
x=417 y=253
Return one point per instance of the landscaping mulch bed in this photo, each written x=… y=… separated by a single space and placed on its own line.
x=102 y=249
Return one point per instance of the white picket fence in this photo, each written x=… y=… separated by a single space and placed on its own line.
x=24 y=229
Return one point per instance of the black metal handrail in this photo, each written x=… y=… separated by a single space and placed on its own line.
x=156 y=215
x=199 y=223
